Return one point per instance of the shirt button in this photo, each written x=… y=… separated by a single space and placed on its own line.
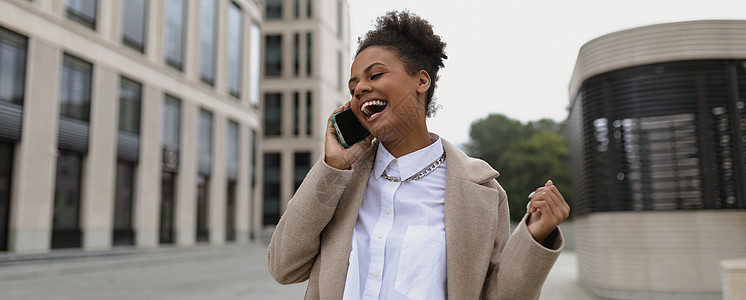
x=375 y=274
x=380 y=236
x=388 y=211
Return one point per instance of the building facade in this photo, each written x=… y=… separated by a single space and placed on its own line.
x=658 y=149
x=142 y=122
x=305 y=72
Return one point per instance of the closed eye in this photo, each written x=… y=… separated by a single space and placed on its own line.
x=375 y=76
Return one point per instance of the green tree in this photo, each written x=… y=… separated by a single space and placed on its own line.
x=530 y=163
x=525 y=155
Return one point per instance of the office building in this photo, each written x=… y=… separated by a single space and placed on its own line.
x=305 y=72
x=127 y=122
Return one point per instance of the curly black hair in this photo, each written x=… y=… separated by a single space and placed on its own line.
x=413 y=40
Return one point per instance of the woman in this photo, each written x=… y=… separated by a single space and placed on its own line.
x=409 y=216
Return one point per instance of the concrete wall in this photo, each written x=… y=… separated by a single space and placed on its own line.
x=627 y=255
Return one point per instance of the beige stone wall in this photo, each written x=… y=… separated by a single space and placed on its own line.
x=658 y=252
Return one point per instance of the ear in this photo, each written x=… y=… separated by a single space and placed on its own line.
x=423 y=81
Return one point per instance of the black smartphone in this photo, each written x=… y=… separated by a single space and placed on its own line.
x=348 y=128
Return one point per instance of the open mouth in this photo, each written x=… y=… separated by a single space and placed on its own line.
x=373 y=108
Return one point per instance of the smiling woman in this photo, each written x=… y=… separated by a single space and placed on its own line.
x=409 y=216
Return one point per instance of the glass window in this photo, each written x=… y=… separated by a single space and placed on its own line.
x=309 y=54
x=296 y=9
x=340 y=19
x=12 y=67
x=235 y=48
x=75 y=91
x=274 y=9
x=171 y=121
x=296 y=113
x=6 y=173
x=174 y=35
x=204 y=144
x=231 y=145
x=254 y=145
x=302 y=162
x=207 y=28
x=230 y=212
x=271 y=188
x=203 y=193
x=309 y=113
x=82 y=11
x=273 y=114
x=273 y=56
x=296 y=54
x=123 y=232
x=133 y=23
x=168 y=194
x=309 y=8
x=65 y=219
x=340 y=72
x=129 y=106
x=255 y=40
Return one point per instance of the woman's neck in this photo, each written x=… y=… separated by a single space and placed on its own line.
x=404 y=145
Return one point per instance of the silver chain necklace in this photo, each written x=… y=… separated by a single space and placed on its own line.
x=422 y=173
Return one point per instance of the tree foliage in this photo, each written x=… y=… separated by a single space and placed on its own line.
x=526 y=155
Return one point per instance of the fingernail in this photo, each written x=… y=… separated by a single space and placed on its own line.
x=550 y=181
x=530 y=195
x=527 y=204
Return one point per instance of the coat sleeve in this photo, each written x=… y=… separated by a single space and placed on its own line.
x=519 y=264
x=297 y=237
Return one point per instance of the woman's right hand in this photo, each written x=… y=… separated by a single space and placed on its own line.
x=337 y=156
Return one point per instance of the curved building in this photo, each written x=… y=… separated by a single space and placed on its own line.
x=658 y=136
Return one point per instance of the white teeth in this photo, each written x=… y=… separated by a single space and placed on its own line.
x=365 y=106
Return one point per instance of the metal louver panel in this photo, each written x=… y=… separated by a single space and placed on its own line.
x=128 y=146
x=11 y=120
x=666 y=136
x=73 y=135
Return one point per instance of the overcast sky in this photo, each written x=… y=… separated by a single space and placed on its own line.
x=516 y=57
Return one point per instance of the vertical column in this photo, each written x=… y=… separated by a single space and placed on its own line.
x=33 y=183
x=191 y=40
x=97 y=203
x=221 y=42
x=186 y=185
x=218 y=186
x=154 y=36
x=148 y=175
x=108 y=19
x=243 y=186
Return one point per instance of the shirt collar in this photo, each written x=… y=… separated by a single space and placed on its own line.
x=411 y=163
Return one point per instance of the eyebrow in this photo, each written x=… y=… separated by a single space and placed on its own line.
x=353 y=79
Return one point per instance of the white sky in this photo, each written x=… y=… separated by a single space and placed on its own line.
x=516 y=57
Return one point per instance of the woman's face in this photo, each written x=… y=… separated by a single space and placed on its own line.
x=387 y=100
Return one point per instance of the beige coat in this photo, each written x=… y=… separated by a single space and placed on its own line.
x=483 y=260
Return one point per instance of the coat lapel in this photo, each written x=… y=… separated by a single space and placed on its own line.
x=470 y=218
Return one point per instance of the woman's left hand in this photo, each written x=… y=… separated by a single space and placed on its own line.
x=546 y=210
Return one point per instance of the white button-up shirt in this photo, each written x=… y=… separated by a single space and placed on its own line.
x=398 y=244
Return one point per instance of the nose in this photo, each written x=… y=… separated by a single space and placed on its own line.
x=363 y=87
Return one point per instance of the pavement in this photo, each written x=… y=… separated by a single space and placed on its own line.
x=232 y=271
